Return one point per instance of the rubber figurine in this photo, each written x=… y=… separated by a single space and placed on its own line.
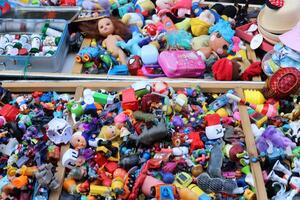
x=216 y=160
x=45 y=177
x=132 y=45
x=149 y=136
x=214 y=129
x=78 y=141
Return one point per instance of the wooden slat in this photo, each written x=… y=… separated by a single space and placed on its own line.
x=252 y=56
x=60 y=170
x=77 y=67
x=261 y=193
x=70 y=86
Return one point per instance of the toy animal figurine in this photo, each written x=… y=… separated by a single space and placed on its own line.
x=178 y=39
x=216 y=160
x=275 y=138
x=133 y=44
x=149 y=136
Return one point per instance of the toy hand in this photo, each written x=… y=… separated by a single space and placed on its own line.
x=121 y=44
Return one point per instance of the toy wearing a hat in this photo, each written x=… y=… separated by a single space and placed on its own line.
x=214 y=129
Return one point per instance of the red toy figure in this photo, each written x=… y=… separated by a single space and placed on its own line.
x=129 y=100
x=134 y=64
x=68 y=2
x=9 y=112
x=196 y=142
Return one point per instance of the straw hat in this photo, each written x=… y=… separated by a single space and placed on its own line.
x=281 y=20
x=270 y=37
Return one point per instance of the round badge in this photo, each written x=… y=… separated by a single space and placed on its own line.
x=256 y=41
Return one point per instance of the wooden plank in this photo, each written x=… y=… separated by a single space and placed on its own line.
x=252 y=56
x=77 y=67
x=261 y=193
x=60 y=170
x=70 y=86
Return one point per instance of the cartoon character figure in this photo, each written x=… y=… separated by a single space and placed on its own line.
x=109 y=132
x=133 y=44
x=22 y=103
x=78 y=141
x=214 y=129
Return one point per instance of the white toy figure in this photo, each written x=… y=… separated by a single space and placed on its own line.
x=214 y=129
x=59 y=131
x=69 y=158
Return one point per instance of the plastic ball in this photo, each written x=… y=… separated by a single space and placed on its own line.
x=168 y=178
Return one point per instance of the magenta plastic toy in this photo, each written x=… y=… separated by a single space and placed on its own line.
x=275 y=137
x=181 y=63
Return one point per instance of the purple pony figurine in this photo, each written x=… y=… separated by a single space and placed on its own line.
x=275 y=137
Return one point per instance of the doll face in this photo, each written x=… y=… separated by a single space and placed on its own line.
x=78 y=142
x=105 y=27
x=218 y=44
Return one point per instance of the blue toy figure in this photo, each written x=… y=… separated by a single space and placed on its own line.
x=179 y=39
x=133 y=44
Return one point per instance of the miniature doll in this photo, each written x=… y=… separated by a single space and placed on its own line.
x=109 y=132
x=110 y=30
x=221 y=41
x=78 y=141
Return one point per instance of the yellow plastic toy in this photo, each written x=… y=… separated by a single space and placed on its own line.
x=222 y=112
x=100 y=190
x=254 y=96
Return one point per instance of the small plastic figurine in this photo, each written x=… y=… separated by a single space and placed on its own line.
x=78 y=141
x=109 y=132
x=46 y=178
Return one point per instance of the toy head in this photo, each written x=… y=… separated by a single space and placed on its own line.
x=105 y=27
x=222 y=38
x=110 y=25
x=78 y=141
x=109 y=132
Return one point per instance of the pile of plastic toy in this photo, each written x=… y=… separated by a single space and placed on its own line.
x=32 y=128
x=147 y=38
x=151 y=141
x=277 y=141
